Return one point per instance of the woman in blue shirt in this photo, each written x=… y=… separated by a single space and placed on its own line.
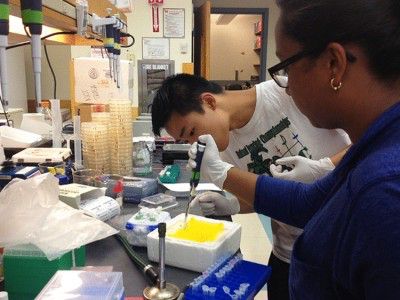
x=340 y=61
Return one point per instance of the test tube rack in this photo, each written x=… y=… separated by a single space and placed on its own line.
x=229 y=278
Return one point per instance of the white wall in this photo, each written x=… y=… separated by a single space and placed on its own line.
x=16 y=79
x=140 y=25
x=59 y=56
x=236 y=38
x=272 y=19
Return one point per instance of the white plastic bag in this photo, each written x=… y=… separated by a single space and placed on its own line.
x=30 y=212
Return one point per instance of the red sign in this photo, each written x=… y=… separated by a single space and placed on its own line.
x=156 y=22
x=156 y=1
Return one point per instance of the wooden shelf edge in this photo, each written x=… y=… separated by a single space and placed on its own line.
x=62 y=22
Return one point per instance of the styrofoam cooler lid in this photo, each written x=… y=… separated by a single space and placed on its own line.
x=18 y=138
x=40 y=155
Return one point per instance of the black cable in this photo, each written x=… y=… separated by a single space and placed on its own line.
x=147 y=269
x=125 y=34
x=52 y=71
x=4 y=111
x=43 y=38
x=26 y=31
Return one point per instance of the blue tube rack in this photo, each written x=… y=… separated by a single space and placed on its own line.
x=229 y=278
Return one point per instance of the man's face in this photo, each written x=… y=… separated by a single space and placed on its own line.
x=189 y=127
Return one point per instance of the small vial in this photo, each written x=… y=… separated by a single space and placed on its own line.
x=211 y=291
x=244 y=285
x=195 y=286
x=239 y=293
x=226 y=290
x=205 y=289
x=219 y=276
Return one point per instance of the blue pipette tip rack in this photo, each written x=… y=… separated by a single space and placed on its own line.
x=229 y=278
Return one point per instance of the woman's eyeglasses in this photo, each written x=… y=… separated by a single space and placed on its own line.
x=279 y=71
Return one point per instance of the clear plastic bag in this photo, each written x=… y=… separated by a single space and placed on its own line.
x=30 y=212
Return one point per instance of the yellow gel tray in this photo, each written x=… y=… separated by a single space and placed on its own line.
x=198 y=231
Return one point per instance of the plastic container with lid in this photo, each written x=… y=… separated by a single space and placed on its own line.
x=142 y=223
x=84 y=285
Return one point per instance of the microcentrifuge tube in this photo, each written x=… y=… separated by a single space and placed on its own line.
x=205 y=289
x=219 y=276
x=226 y=289
x=212 y=290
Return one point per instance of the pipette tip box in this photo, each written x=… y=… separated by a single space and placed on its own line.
x=10 y=172
x=193 y=255
x=86 y=285
x=136 y=188
x=27 y=269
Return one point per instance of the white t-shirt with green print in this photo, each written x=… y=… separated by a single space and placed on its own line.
x=278 y=129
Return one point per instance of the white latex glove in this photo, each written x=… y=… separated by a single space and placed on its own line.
x=212 y=203
x=303 y=169
x=213 y=169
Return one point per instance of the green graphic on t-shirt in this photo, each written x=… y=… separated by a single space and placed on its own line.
x=258 y=164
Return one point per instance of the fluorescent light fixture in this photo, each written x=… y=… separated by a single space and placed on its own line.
x=16 y=26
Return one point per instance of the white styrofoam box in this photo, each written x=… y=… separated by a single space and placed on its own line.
x=17 y=138
x=14 y=115
x=190 y=255
x=36 y=123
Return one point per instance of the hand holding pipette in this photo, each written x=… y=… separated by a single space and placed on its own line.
x=213 y=168
x=194 y=180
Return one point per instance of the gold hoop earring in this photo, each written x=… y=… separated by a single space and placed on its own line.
x=335 y=87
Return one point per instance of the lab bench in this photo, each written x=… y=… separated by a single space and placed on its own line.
x=109 y=252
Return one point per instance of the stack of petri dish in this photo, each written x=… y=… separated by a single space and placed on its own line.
x=95 y=147
x=103 y=118
x=120 y=131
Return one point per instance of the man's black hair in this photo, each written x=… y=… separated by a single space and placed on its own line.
x=181 y=94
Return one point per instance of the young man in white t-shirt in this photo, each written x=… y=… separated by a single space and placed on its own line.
x=253 y=129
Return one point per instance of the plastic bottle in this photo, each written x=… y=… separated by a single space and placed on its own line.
x=118 y=189
x=142 y=159
x=45 y=110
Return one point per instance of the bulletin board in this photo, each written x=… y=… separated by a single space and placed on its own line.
x=92 y=83
x=174 y=22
